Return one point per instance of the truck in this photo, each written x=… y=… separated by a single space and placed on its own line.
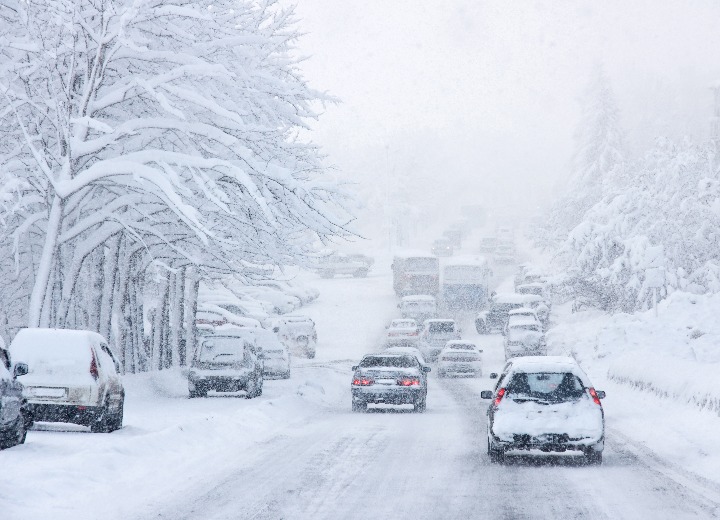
x=466 y=283
x=416 y=274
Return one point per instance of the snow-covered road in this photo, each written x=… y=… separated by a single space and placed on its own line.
x=299 y=452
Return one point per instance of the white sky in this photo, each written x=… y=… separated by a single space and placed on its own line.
x=482 y=96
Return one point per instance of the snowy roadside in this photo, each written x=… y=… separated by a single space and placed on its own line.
x=660 y=375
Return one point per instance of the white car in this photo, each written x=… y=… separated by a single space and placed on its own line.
x=339 y=263
x=522 y=315
x=402 y=331
x=419 y=307
x=435 y=334
x=297 y=333
x=545 y=403
x=72 y=377
x=275 y=354
x=524 y=337
x=454 y=361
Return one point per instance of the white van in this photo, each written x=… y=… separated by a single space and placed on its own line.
x=72 y=377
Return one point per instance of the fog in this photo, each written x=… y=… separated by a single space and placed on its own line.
x=478 y=101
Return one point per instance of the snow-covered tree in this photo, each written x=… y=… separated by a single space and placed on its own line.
x=155 y=135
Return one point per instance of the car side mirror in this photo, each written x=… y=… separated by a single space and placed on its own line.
x=21 y=369
x=486 y=394
x=355 y=367
x=600 y=394
x=426 y=369
x=493 y=375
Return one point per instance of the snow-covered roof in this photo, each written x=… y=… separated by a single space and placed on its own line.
x=522 y=311
x=55 y=338
x=547 y=364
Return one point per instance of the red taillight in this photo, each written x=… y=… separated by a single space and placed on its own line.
x=362 y=381
x=410 y=381
x=594 y=396
x=93 y=366
x=499 y=396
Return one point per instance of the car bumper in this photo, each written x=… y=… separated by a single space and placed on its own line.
x=387 y=395
x=219 y=384
x=67 y=413
x=554 y=442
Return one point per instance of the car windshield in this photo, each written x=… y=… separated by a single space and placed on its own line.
x=525 y=327
x=405 y=324
x=461 y=346
x=388 y=361
x=439 y=327
x=223 y=349
x=549 y=386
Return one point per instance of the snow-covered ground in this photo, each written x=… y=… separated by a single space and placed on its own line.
x=299 y=452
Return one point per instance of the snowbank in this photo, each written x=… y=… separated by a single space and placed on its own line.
x=674 y=355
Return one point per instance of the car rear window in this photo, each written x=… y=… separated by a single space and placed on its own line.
x=389 y=361
x=551 y=386
x=223 y=349
x=441 y=326
x=460 y=356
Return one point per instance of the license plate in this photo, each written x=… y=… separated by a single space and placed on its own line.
x=385 y=381
x=47 y=392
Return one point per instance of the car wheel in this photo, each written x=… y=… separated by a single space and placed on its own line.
x=259 y=390
x=116 y=421
x=496 y=455
x=286 y=375
x=310 y=354
x=251 y=389
x=480 y=327
x=101 y=424
x=593 y=458
x=15 y=435
x=421 y=405
x=360 y=406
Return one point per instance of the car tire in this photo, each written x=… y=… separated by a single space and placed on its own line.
x=593 y=458
x=310 y=355
x=286 y=375
x=421 y=405
x=15 y=435
x=116 y=420
x=101 y=424
x=251 y=388
x=360 y=406
x=496 y=455
x=480 y=327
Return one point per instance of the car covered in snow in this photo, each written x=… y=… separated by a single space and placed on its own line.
x=227 y=360
x=545 y=403
x=488 y=244
x=442 y=247
x=457 y=361
x=15 y=417
x=298 y=334
x=419 y=307
x=521 y=315
x=435 y=334
x=339 y=263
x=72 y=377
x=524 y=337
x=504 y=254
x=495 y=318
x=275 y=354
x=411 y=351
x=403 y=331
x=389 y=379
x=304 y=294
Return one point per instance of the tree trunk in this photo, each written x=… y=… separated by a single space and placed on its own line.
x=192 y=283
x=110 y=282
x=47 y=258
x=96 y=288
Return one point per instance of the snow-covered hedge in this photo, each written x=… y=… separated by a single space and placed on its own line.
x=675 y=355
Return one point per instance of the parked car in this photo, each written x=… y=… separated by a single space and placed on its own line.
x=304 y=294
x=275 y=354
x=72 y=377
x=357 y=257
x=455 y=361
x=419 y=307
x=389 y=379
x=298 y=334
x=545 y=403
x=442 y=247
x=338 y=263
x=282 y=303
x=524 y=338
x=402 y=332
x=435 y=334
x=227 y=360
x=211 y=314
x=495 y=318
x=15 y=417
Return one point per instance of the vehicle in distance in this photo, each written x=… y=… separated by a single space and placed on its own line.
x=275 y=354
x=226 y=361
x=488 y=244
x=402 y=331
x=466 y=282
x=410 y=351
x=454 y=361
x=504 y=254
x=455 y=236
x=416 y=274
x=419 y=307
x=442 y=247
x=496 y=317
x=524 y=337
x=389 y=379
x=435 y=334
x=73 y=377
x=545 y=403
x=338 y=263
x=15 y=417
x=523 y=314
x=298 y=334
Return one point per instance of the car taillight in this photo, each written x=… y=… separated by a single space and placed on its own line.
x=93 y=366
x=409 y=381
x=594 y=396
x=362 y=381
x=499 y=396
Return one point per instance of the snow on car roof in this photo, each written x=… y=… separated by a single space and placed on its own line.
x=459 y=342
x=418 y=298
x=516 y=298
x=477 y=260
x=522 y=311
x=55 y=338
x=547 y=364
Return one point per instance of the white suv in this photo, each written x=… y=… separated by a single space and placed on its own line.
x=72 y=377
